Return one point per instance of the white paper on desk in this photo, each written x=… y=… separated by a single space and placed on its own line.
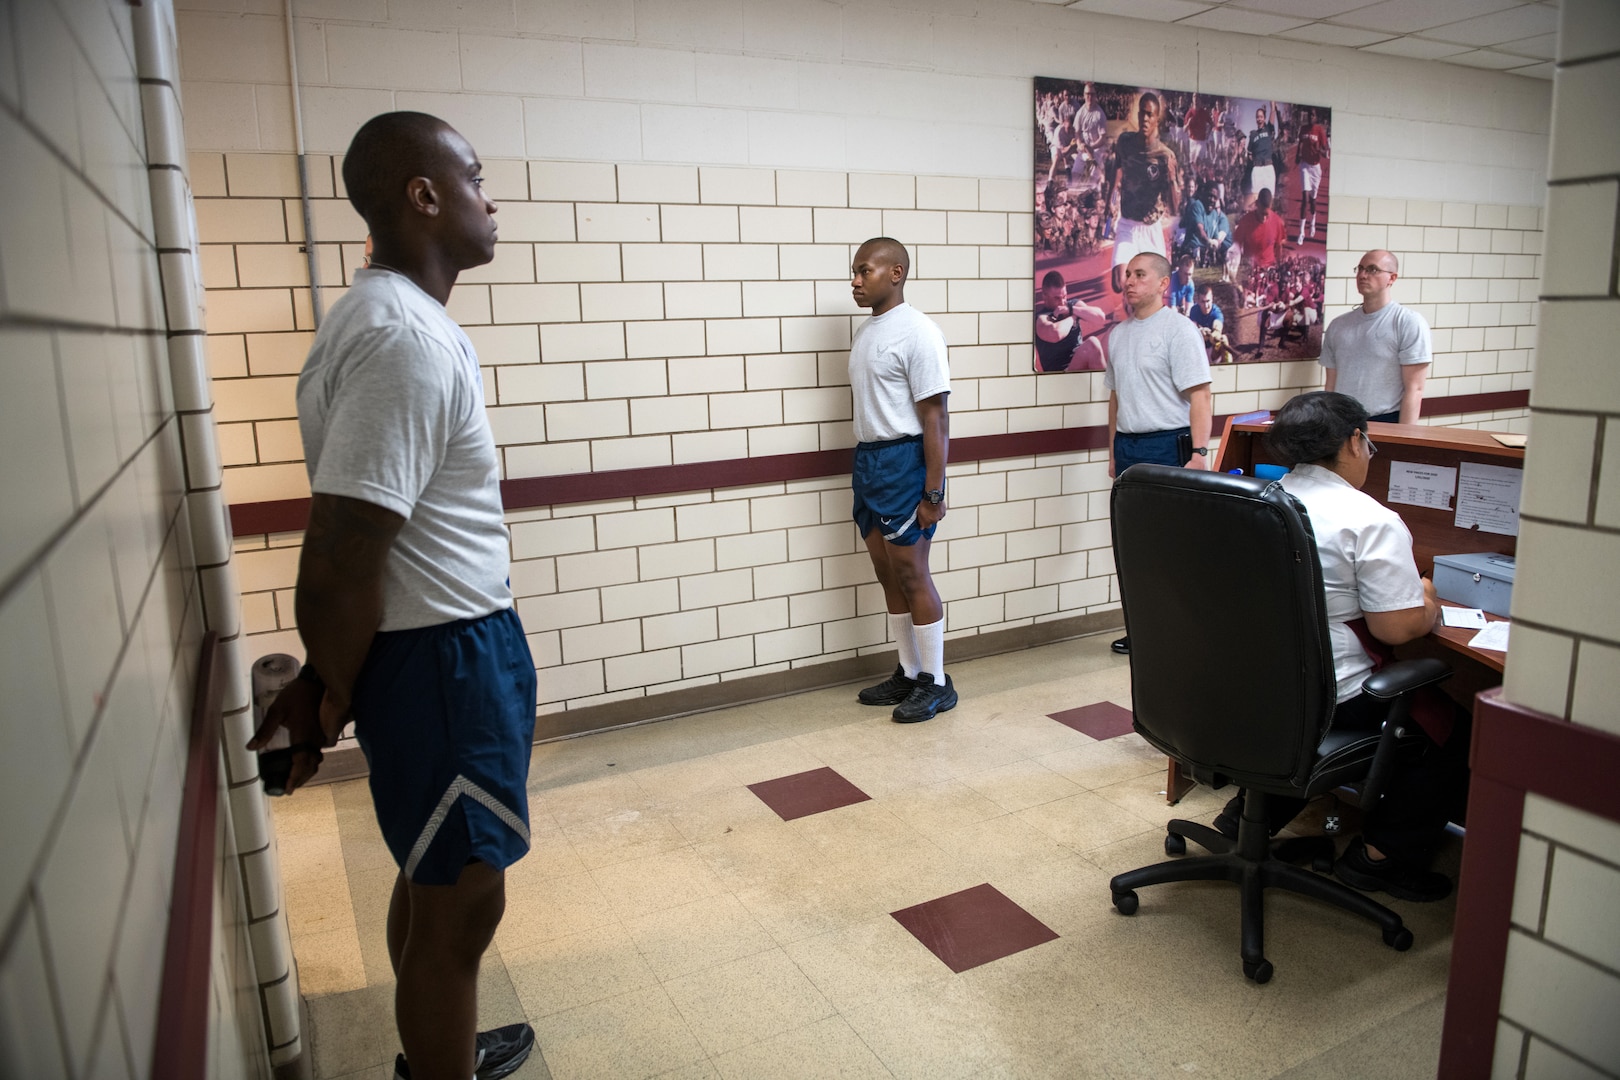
x=1416 y=484
x=1494 y=637
x=1488 y=498
x=1469 y=618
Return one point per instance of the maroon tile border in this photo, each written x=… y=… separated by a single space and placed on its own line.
x=1515 y=750
x=973 y=927
x=806 y=793
x=1104 y=720
x=291 y=515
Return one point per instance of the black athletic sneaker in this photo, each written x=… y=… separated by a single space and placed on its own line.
x=925 y=700
x=1122 y=646
x=1354 y=868
x=500 y=1051
x=891 y=691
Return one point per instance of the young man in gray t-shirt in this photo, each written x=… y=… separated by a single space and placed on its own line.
x=1378 y=353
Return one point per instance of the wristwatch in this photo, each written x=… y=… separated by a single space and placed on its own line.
x=935 y=497
x=1204 y=450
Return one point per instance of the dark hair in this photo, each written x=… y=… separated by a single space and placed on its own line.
x=1052 y=278
x=386 y=153
x=1262 y=201
x=1312 y=427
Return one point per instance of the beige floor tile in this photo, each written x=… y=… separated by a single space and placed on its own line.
x=746 y=1000
x=866 y=962
x=350 y=1031
x=1035 y=734
x=933 y=1032
x=681 y=940
x=1021 y=784
x=826 y=1050
x=974 y=755
x=580 y=969
x=814 y=901
x=861 y=738
x=698 y=1070
x=310 y=813
x=902 y=879
x=309 y=856
x=1000 y=844
x=639 y=1034
x=1070 y=895
x=768 y=761
x=623 y=836
x=318 y=904
x=329 y=962
x=900 y=769
x=940 y=807
x=862 y=830
x=551 y=855
x=682 y=780
x=1085 y=821
x=1098 y=764
x=1144 y=797
x=590 y=800
x=669 y=879
x=759 y=856
x=546 y=910
x=708 y=817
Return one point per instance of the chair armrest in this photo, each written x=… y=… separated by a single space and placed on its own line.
x=1403 y=677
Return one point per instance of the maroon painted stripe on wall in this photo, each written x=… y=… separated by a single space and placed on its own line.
x=291 y=515
x=1515 y=750
x=180 y=1048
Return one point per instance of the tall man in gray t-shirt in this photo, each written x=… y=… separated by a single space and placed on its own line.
x=1158 y=381
x=402 y=598
x=1378 y=353
x=899 y=377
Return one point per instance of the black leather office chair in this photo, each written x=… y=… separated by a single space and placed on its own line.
x=1232 y=674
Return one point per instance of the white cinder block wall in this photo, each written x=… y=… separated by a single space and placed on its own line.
x=1561 y=986
x=682 y=185
x=102 y=607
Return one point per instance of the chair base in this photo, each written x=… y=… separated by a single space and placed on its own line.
x=1252 y=863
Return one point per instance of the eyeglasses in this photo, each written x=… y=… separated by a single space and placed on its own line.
x=1369 y=269
x=1371 y=449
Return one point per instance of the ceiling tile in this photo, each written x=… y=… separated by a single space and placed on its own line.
x=1156 y=10
x=1542 y=70
x=1304 y=9
x=1405 y=16
x=1528 y=20
x=1416 y=48
x=1487 y=58
x=1544 y=47
x=1329 y=34
x=1243 y=22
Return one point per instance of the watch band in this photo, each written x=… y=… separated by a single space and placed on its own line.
x=936 y=497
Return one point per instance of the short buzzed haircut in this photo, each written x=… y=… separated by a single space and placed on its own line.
x=893 y=251
x=1052 y=278
x=1160 y=264
x=386 y=153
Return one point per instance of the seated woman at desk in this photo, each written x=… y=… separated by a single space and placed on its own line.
x=1375 y=599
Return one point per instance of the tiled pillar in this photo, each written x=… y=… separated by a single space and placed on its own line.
x=175 y=223
x=1562 y=956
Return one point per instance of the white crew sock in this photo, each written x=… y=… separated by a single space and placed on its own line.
x=931 y=650
x=900 y=630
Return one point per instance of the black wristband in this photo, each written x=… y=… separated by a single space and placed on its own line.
x=310 y=675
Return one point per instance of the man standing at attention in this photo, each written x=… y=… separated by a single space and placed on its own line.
x=1378 y=353
x=402 y=597
x=1158 y=382
x=900 y=378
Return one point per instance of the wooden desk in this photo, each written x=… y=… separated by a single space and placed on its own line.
x=1434 y=532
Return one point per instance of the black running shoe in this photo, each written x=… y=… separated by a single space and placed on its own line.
x=1122 y=646
x=500 y=1052
x=925 y=700
x=891 y=691
x=1420 y=886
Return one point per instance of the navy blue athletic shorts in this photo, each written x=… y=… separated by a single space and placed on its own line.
x=890 y=478
x=445 y=717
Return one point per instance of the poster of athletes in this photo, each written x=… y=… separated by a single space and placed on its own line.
x=1232 y=191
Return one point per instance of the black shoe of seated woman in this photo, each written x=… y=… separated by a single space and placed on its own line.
x=1360 y=870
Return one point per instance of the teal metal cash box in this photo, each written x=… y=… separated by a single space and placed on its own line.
x=1480 y=580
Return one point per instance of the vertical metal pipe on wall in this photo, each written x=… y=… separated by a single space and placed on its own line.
x=208 y=515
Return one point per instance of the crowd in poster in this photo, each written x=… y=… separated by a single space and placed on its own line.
x=1232 y=191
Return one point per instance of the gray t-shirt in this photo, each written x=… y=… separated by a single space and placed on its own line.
x=896 y=360
x=1151 y=362
x=1369 y=351
x=391 y=408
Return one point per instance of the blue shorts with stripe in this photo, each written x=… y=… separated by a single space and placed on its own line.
x=889 y=481
x=445 y=717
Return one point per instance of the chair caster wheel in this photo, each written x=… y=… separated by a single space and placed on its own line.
x=1175 y=845
x=1399 y=940
x=1259 y=971
x=1125 y=902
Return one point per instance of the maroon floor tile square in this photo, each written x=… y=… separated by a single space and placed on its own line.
x=806 y=793
x=973 y=927
x=1103 y=720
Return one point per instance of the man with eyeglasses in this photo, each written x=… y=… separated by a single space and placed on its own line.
x=1379 y=353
